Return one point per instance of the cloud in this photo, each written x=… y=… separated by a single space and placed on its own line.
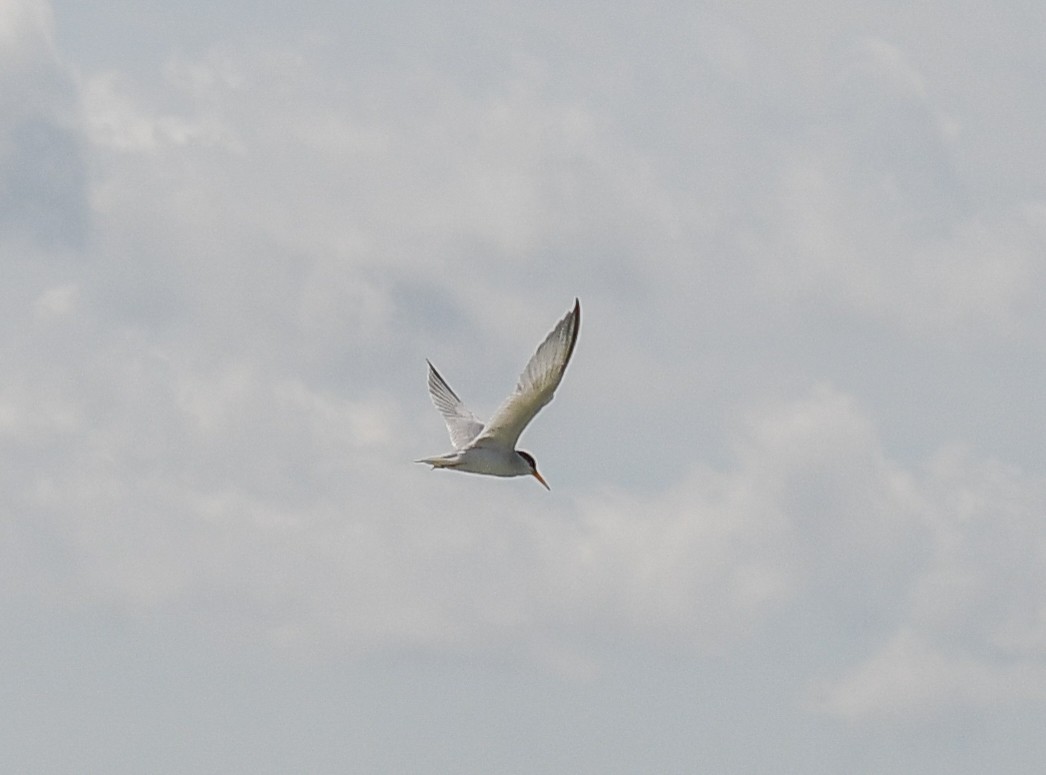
x=909 y=678
x=43 y=176
x=874 y=216
x=252 y=510
x=785 y=449
x=969 y=631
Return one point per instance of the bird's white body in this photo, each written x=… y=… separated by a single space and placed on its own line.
x=489 y=448
x=492 y=461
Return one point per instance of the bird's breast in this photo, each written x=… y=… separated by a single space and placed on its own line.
x=493 y=461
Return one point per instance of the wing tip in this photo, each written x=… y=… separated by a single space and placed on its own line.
x=576 y=315
x=438 y=384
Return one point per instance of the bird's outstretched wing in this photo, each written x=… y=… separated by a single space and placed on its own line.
x=462 y=425
x=537 y=384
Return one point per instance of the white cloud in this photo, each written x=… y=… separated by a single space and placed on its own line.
x=784 y=239
x=26 y=31
x=986 y=583
x=42 y=172
x=976 y=276
x=909 y=678
x=970 y=631
x=57 y=302
x=275 y=512
x=114 y=120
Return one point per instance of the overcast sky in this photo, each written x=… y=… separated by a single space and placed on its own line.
x=798 y=464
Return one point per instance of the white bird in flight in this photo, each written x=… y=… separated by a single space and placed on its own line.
x=490 y=448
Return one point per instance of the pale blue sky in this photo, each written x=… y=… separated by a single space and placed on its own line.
x=798 y=509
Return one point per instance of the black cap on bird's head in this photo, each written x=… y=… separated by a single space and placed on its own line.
x=533 y=467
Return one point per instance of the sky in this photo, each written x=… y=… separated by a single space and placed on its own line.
x=798 y=510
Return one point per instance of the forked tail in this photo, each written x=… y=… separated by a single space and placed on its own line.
x=441 y=461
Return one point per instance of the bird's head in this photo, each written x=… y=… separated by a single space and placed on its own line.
x=533 y=466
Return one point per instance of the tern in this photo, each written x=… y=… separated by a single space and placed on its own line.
x=491 y=448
